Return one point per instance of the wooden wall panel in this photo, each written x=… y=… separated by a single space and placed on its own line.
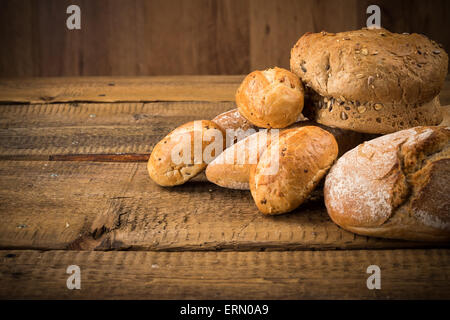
x=427 y=17
x=138 y=37
x=275 y=26
x=173 y=37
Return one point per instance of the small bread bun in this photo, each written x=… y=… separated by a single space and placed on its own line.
x=272 y=98
x=395 y=186
x=290 y=168
x=233 y=120
x=168 y=166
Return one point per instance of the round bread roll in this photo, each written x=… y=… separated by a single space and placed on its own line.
x=290 y=168
x=185 y=152
x=371 y=80
x=395 y=186
x=272 y=98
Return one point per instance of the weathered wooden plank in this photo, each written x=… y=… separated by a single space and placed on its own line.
x=116 y=206
x=115 y=89
x=95 y=132
x=405 y=274
x=46 y=205
x=131 y=89
x=81 y=130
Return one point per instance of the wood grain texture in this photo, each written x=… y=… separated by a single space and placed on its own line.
x=277 y=25
x=429 y=18
x=46 y=205
x=94 y=131
x=405 y=274
x=116 y=89
x=131 y=89
x=137 y=37
x=174 y=37
x=115 y=206
x=120 y=130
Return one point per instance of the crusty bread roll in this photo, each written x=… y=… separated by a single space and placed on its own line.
x=371 y=81
x=346 y=139
x=233 y=120
x=394 y=186
x=235 y=172
x=168 y=165
x=231 y=169
x=272 y=98
x=290 y=168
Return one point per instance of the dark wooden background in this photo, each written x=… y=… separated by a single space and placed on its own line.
x=172 y=37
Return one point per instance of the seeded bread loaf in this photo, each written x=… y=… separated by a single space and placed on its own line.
x=373 y=80
x=394 y=186
x=290 y=168
x=169 y=166
x=371 y=117
x=272 y=98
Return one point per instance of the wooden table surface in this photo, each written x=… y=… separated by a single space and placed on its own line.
x=74 y=190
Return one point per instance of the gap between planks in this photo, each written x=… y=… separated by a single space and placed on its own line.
x=126 y=132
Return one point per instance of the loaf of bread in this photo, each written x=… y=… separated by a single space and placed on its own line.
x=372 y=80
x=290 y=168
x=231 y=169
x=185 y=152
x=272 y=98
x=394 y=186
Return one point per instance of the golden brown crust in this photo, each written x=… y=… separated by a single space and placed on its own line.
x=395 y=186
x=304 y=155
x=231 y=169
x=233 y=120
x=271 y=98
x=372 y=65
x=166 y=170
x=346 y=139
x=235 y=174
x=371 y=117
